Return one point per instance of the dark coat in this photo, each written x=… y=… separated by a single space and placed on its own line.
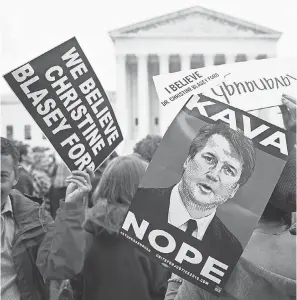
x=114 y=269
x=25 y=183
x=56 y=194
x=44 y=249
x=153 y=206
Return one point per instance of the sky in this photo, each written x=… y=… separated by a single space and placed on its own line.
x=32 y=27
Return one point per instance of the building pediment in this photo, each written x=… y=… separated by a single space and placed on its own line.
x=195 y=22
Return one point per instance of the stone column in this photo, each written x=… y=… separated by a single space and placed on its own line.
x=163 y=69
x=144 y=114
x=208 y=60
x=121 y=109
x=185 y=62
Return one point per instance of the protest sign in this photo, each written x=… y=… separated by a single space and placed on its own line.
x=205 y=190
x=65 y=98
x=186 y=83
x=241 y=85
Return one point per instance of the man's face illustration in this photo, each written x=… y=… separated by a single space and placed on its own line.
x=211 y=177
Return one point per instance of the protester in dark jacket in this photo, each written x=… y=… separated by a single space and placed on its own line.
x=36 y=249
x=114 y=269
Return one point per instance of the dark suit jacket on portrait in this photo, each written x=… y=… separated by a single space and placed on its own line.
x=153 y=205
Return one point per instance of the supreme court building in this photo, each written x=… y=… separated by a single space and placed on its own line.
x=186 y=39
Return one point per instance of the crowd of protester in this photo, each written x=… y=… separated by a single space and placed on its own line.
x=60 y=234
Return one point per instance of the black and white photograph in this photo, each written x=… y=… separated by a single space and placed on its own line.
x=201 y=195
x=84 y=130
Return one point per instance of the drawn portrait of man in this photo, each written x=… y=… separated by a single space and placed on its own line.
x=219 y=162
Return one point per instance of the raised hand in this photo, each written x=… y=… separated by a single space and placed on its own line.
x=289 y=111
x=79 y=185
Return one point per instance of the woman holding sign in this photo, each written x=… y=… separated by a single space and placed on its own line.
x=113 y=268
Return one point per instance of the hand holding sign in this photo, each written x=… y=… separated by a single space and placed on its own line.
x=226 y=162
x=289 y=111
x=79 y=185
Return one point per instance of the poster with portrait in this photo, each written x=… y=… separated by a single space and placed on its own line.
x=205 y=190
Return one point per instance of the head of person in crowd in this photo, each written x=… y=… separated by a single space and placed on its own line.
x=38 y=158
x=116 y=189
x=26 y=154
x=50 y=163
x=147 y=146
x=10 y=168
x=219 y=162
x=45 y=162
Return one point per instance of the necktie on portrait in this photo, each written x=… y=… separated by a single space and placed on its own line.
x=191 y=226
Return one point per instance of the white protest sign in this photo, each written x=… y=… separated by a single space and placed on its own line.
x=239 y=84
x=267 y=79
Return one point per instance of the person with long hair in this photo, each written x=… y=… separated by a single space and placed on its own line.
x=114 y=269
x=146 y=147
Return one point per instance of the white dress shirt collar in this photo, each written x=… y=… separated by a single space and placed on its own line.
x=179 y=216
x=7 y=206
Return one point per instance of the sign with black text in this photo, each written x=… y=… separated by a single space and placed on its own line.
x=205 y=190
x=240 y=84
x=65 y=98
